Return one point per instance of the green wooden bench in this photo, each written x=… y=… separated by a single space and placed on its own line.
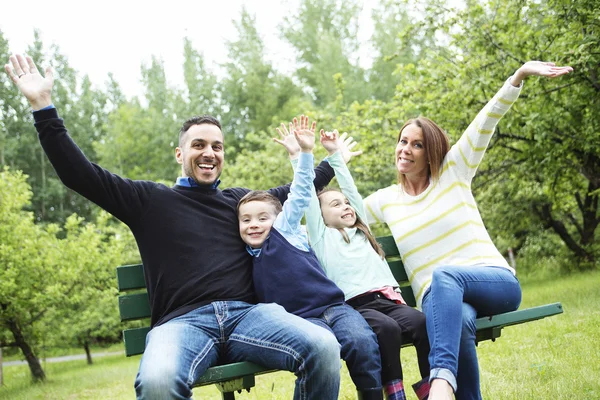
x=134 y=305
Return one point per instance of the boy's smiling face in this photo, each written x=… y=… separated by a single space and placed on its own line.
x=256 y=219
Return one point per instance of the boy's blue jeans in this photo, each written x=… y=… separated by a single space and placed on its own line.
x=359 y=344
x=456 y=297
x=180 y=350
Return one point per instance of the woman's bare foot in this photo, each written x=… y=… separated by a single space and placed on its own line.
x=440 y=390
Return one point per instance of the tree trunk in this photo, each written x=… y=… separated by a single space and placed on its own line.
x=580 y=252
x=37 y=373
x=43 y=165
x=88 y=353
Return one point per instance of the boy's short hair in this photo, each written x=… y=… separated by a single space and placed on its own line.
x=261 y=195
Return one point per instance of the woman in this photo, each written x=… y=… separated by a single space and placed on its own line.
x=456 y=272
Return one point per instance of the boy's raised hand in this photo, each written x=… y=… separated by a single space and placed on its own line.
x=288 y=140
x=305 y=133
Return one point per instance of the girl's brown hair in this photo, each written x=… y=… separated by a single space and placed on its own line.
x=359 y=225
x=435 y=142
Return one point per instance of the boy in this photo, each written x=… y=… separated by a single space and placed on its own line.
x=287 y=272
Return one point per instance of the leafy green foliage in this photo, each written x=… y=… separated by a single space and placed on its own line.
x=542 y=167
x=54 y=279
x=323 y=33
x=254 y=94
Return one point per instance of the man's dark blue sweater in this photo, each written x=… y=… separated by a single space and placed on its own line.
x=188 y=238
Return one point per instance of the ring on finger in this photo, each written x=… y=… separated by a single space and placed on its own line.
x=21 y=74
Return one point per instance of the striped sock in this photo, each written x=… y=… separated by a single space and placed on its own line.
x=394 y=390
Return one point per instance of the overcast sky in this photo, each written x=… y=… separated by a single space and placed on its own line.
x=118 y=36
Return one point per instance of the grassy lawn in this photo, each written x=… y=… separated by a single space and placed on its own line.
x=58 y=352
x=555 y=358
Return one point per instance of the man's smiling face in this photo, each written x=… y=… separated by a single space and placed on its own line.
x=202 y=154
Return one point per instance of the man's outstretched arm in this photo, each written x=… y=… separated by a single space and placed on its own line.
x=121 y=197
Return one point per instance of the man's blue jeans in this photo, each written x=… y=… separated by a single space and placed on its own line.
x=456 y=297
x=179 y=351
x=359 y=345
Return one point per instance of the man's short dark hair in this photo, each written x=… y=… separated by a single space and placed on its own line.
x=197 y=120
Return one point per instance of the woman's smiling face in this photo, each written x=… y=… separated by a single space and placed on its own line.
x=411 y=157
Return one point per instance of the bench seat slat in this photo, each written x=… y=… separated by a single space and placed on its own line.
x=407 y=294
x=221 y=373
x=519 y=316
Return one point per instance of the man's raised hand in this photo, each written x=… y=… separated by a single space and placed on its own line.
x=35 y=87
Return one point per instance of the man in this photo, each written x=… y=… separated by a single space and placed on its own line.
x=197 y=271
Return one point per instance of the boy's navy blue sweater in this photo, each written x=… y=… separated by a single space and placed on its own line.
x=188 y=238
x=293 y=278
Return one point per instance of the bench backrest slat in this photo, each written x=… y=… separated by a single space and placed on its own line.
x=130 y=277
x=397 y=269
x=389 y=246
x=135 y=340
x=134 y=306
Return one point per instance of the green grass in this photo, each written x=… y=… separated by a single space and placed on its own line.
x=555 y=358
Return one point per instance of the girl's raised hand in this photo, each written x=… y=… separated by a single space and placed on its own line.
x=346 y=144
x=329 y=140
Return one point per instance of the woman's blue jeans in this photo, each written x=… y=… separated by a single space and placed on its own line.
x=456 y=297
x=179 y=351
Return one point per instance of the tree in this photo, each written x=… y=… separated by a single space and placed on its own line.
x=394 y=43
x=543 y=161
x=83 y=108
x=140 y=140
x=255 y=96
x=90 y=313
x=46 y=272
x=13 y=113
x=324 y=34
x=30 y=275
x=201 y=84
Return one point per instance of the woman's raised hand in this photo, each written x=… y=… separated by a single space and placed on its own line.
x=538 y=68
